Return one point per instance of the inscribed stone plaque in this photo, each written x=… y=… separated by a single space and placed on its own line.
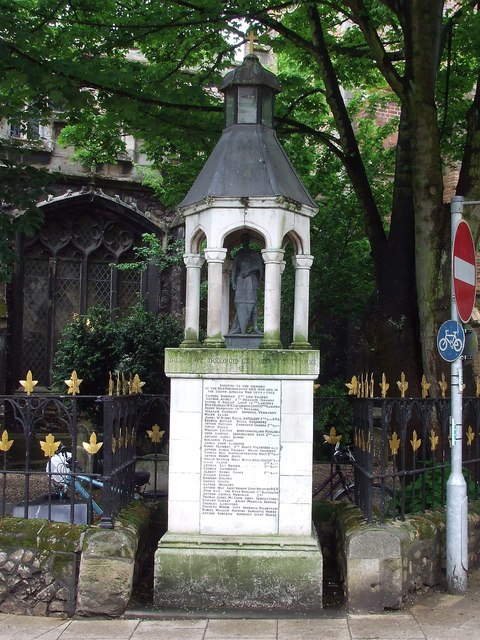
x=240 y=457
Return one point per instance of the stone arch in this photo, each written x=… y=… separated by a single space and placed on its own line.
x=231 y=236
x=193 y=245
x=295 y=240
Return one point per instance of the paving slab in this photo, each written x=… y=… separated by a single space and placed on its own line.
x=170 y=630
x=316 y=629
x=242 y=629
x=93 y=629
x=14 y=627
x=387 y=626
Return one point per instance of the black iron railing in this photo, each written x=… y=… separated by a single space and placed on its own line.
x=402 y=454
x=98 y=435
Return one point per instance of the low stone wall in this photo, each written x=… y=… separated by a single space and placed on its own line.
x=381 y=564
x=57 y=569
x=38 y=566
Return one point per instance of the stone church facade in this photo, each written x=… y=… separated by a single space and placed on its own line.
x=92 y=220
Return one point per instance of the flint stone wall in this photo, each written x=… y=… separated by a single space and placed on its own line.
x=38 y=567
x=380 y=565
x=57 y=569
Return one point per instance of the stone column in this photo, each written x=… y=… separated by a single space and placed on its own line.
x=274 y=264
x=215 y=258
x=227 y=272
x=302 y=264
x=193 y=262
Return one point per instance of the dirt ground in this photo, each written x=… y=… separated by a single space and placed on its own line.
x=12 y=487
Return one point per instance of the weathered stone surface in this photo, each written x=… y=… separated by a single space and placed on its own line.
x=215 y=574
x=32 y=578
x=104 y=587
x=110 y=543
x=380 y=565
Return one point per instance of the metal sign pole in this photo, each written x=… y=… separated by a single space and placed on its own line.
x=457 y=505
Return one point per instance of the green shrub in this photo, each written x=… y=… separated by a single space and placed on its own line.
x=93 y=345
x=428 y=490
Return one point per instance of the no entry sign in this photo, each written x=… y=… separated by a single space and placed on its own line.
x=464 y=271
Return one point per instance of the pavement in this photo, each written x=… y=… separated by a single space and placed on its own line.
x=435 y=615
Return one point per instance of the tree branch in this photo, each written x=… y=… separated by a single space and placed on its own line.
x=352 y=159
x=380 y=55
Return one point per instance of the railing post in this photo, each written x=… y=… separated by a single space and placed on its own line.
x=106 y=521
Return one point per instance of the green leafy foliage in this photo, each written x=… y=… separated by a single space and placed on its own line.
x=95 y=346
x=22 y=186
x=152 y=251
x=428 y=490
x=151 y=69
x=331 y=409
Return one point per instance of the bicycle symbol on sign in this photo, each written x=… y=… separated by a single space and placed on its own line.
x=451 y=339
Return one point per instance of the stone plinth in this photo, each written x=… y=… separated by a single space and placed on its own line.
x=240 y=475
x=243 y=340
x=216 y=572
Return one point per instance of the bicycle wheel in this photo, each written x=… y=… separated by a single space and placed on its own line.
x=345 y=493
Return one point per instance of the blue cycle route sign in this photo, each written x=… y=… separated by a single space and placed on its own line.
x=450 y=340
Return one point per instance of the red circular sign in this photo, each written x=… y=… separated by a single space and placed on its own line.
x=464 y=271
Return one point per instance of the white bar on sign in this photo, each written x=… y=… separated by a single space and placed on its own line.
x=464 y=271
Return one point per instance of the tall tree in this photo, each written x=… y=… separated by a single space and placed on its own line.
x=150 y=69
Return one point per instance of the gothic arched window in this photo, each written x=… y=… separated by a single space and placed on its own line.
x=69 y=268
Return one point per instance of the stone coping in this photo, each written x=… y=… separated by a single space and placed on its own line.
x=235 y=363
x=195 y=541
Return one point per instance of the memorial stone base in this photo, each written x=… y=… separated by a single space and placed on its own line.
x=240 y=476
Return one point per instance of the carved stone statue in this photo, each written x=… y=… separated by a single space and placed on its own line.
x=247 y=273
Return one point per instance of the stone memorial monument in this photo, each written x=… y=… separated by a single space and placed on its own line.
x=241 y=422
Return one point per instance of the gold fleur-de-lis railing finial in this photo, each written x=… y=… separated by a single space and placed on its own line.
x=29 y=383
x=443 y=386
x=137 y=384
x=73 y=384
x=470 y=435
x=155 y=435
x=433 y=440
x=402 y=384
x=425 y=386
x=49 y=446
x=394 y=443
x=5 y=443
x=352 y=386
x=332 y=437
x=384 y=385
x=371 y=391
x=415 y=442
x=92 y=447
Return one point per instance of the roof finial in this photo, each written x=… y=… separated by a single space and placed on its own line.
x=251 y=37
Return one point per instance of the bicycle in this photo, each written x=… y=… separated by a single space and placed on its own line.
x=340 y=484
x=62 y=478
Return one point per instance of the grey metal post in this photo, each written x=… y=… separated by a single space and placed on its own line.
x=457 y=506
